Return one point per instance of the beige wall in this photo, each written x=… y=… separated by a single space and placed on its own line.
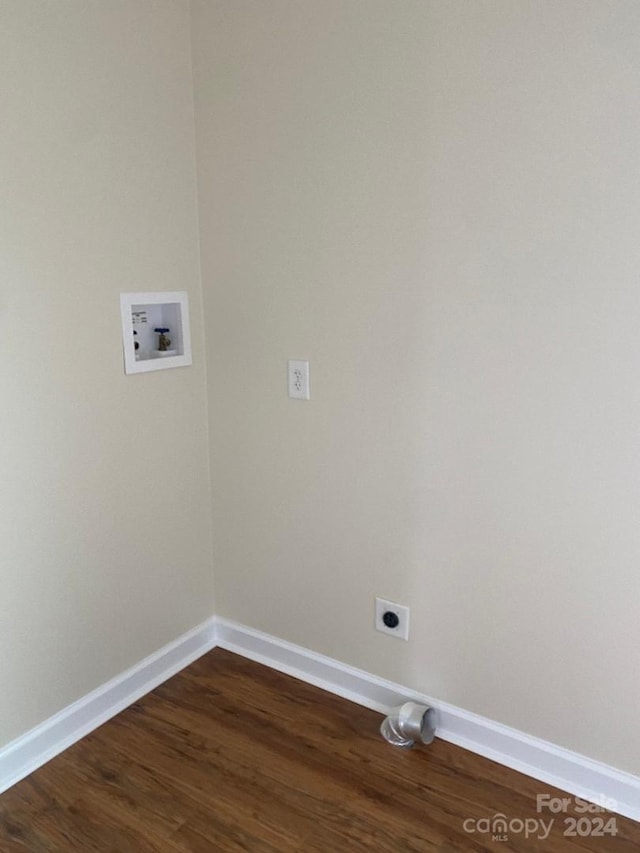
x=437 y=203
x=105 y=548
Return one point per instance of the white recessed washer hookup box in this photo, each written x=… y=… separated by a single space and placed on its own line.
x=155 y=331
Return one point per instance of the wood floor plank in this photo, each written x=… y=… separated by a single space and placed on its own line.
x=232 y=756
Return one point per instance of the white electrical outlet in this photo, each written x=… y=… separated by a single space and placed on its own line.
x=392 y=618
x=298 y=374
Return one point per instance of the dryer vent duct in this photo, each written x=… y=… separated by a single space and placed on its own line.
x=409 y=723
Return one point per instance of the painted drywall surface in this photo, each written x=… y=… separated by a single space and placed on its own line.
x=105 y=523
x=437 y=204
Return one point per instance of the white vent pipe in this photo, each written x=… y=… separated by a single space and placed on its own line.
x=409 y=723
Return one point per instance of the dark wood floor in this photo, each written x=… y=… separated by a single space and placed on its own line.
x=229 y=755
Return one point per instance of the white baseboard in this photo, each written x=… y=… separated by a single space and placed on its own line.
x=561 y=768
x=33 y=749
x=537 y=758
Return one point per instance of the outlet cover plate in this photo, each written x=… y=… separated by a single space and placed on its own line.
x=402 y=628
x=298 y=379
